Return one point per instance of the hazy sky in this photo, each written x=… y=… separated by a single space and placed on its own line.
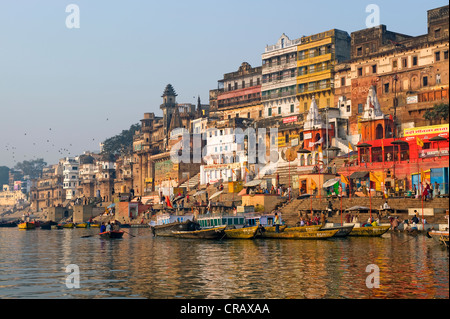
x=66 y=90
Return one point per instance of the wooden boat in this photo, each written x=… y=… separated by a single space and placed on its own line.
x=93 y=225
x=318 y=234
x=208 y=233
x=27 y=225
x=123 y=226
x=304 y=228
x=343 y=231
x=65 y=225
x=242 y=233
x=273 y=228
x=48 y=225
x=440 y=236
x=113 y=234
x=81 y=225
x=8 y=224
x=166 y=230
x=370 y=231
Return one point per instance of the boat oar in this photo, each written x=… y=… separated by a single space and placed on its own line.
x=128 y=233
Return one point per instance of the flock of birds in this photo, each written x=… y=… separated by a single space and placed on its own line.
x=63 y=151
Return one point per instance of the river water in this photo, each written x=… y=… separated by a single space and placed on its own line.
x=33 y=265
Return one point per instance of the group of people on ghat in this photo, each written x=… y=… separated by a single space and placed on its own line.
x=429 y=191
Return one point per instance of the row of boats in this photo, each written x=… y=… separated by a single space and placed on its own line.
x=240 y=227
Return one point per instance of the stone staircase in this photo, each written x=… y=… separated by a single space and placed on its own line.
x=192 y=182
x=290 y=211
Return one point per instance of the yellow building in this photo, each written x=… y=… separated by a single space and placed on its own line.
x=316 y=57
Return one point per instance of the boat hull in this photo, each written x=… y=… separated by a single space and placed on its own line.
x=167 y=230
x=48 y=225
x=9 y=224
x=272 y=228
x=209 y=233
x=371 y=231
x=319 y=234
x=439 y=236
x=114 y=234
x=342 y=231
x=304 y=228
x=242 y=233
x=81 y=225
x=27 y=225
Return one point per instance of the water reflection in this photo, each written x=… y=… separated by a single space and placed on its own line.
x=33 y=263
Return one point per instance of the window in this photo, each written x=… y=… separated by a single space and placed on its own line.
x=279 y=110
x=343 y=81
x=394 y=63
x=437 y=33
x=359 y=71
x=251 y=82
x=374 y=69
x=425 y=81
x=414 y=61
x=360 y=108
x=404 y=63
x=258 y=81
x=446 y=55
x=292 y=108
x=248 y=114
x=269 y=111
x=386 y=88
x=243 y=84
x=438 y=79
x=348 y=108
x=260 y=113
x=437 y=56
x=359 y=51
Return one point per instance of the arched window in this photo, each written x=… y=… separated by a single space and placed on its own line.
x=379 y=132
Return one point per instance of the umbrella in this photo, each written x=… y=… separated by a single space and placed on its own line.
x=216 y=194
x=331 y=182
x=112 y=205
x=363 y=145
x=253 y=183
x=437 y=138
x=333 y=148
x=399 y=142
x=358 y=208
x=303 y=151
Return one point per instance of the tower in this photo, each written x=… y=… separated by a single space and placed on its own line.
x=168 y=108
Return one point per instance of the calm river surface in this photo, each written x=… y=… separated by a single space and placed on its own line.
x=33 y=265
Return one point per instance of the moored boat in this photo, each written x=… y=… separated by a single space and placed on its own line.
x=67 y=225
x=48 y=224
x=304 y=228
x=342 y=231
x=8 y=224
x=208 y=233
x=370 y=231
x=27 y=225
x=166 y=224
x=94 y=225
x=440 y=236
x=81 y=225
x=242 y=233
x=113 y=234
x=318 y=234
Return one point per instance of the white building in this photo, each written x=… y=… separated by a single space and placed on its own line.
x=225 y=152
x=71 y=180
x=279 y=78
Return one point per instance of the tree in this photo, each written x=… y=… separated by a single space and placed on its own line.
x=121 y=143
x=437 y=113
x=31 y=168
x=4 y=175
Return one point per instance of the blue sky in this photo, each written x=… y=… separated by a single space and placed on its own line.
x=76 y=87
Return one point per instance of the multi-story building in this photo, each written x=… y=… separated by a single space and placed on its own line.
x=71 y=167
x=239 y=93
x=48 y=190
x=410 y=74
x=279 y=78
x=317 y=56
